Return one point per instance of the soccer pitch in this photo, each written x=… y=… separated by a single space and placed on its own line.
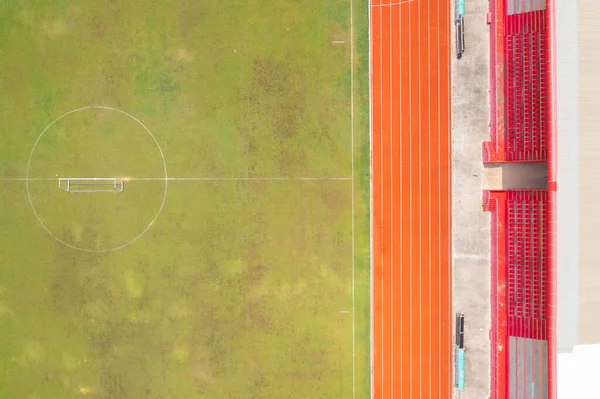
x=228 y=254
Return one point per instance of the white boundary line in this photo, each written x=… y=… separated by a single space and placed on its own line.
x=194 y=178
x=352 y=159
x=30 y=179
x=241 y=178
x=371 y=306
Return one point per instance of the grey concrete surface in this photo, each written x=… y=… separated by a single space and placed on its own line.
x=515 y=176
x=527 y=378
x=471 y=226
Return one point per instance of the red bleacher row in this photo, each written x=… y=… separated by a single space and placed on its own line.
x=523 y=269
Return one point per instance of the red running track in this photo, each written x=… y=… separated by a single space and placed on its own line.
x=411 y=199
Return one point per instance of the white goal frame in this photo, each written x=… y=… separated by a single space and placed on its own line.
x=92 y=184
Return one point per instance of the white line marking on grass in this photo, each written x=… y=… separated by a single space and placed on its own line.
x=344 y=311
x=352 y=158
x=241 y=178
x=196 y=178
x=30 y=179
x=338 y=41
x=165 y=179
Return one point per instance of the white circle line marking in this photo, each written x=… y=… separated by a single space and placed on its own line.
x=166 y=179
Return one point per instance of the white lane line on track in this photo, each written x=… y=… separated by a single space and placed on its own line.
x=398 y=3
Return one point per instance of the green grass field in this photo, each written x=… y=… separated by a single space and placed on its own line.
x=245 y=273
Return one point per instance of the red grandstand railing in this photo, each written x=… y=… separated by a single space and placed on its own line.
x=552 y=170
x=494 y=150
x=519 y=275
x=522 y=128
x=526 y=85
x=519 y=81
x=527 y=263
x=494 y=202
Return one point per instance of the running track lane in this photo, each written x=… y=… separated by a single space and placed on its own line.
x=411 y=199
